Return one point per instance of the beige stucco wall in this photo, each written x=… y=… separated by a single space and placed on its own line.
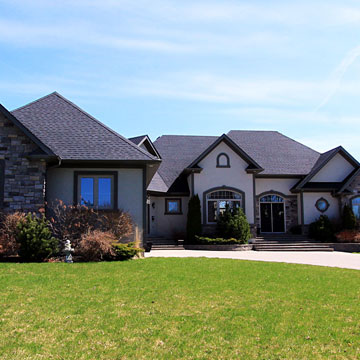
x=235 y=177
x=336 y=170
x=165 y=225
x=60 y=186
x=310 y=211
x=280 y=185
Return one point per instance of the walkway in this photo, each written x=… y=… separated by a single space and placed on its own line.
x=332 y=259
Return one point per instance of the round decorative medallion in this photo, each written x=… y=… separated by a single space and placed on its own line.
x=322 y=205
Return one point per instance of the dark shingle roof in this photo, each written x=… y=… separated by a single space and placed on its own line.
x=275 y=152
x=72 y=134
x=323 y=159
x=137 y=139
x=177 y=152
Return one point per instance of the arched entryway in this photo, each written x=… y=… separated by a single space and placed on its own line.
x=272 y=214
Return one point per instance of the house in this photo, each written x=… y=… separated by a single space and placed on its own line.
x=52 y=150
x=278 y=182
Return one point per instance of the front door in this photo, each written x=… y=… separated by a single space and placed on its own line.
x=266 y=222
x=272 y=214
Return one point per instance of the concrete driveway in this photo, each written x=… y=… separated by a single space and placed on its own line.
x=332 y=259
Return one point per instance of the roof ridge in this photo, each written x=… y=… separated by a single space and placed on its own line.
x=97 y=121
x=34 y=101
x=106 y=127
x=140 y=136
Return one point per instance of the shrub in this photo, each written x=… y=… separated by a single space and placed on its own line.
x=35 y=239
x=349 y=236
x=296 y=230
x=8 y=233
x=322 y=229
x=348 y=218
x=215 y=241
x=97 y=245
x=71 y=222
x=193 y=226
x=233 y=224
x=118 y=222
x=126 y=251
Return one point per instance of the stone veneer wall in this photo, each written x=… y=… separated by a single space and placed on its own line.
x=291 y=211
x=24 y=180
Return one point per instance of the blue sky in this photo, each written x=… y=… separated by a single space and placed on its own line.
x=191 y=67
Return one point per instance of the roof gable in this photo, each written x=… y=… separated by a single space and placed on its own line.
x=323 y=160
x=72 y=134
x=253 y=166
x=145 y=141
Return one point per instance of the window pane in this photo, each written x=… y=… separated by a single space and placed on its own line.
x=173 y=206
x=224 y=195
x=104 y=200
x=87 y=191
x=356 y=201
x=356 y=210
x=212 y=208
x=272 y=198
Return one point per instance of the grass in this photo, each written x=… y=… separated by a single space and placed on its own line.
x=178 y=309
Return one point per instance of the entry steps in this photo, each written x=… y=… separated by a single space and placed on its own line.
x=161 y=243
x=288 y=242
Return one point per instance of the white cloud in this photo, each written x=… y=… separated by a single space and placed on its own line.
x=338 y=74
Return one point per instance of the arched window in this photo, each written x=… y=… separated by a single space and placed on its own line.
x=223 y=161
x=218 y=201
x=355 y=204
x=272 y=199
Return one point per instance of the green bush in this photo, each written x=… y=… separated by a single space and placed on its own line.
x=322 y=229
x=35 y=239
x=193 y=226
x=216 y=241
x=348 y=218
x=125 y=251
x=296 y=230
x=233 y=224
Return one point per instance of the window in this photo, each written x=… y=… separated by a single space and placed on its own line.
x=96 y=189
x=355 y=204
x=218 y=201
x=272 y=199
x=322 y=205
x=223 y=161
x=173 y=206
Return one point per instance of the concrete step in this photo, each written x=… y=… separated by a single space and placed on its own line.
x=167 y=247
x=292 y=247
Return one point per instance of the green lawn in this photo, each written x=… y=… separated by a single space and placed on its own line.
x=178 y=309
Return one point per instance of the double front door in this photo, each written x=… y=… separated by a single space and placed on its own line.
x=272 y=216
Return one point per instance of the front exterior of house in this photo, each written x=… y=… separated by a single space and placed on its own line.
x=279 y=183
x=52 y=150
